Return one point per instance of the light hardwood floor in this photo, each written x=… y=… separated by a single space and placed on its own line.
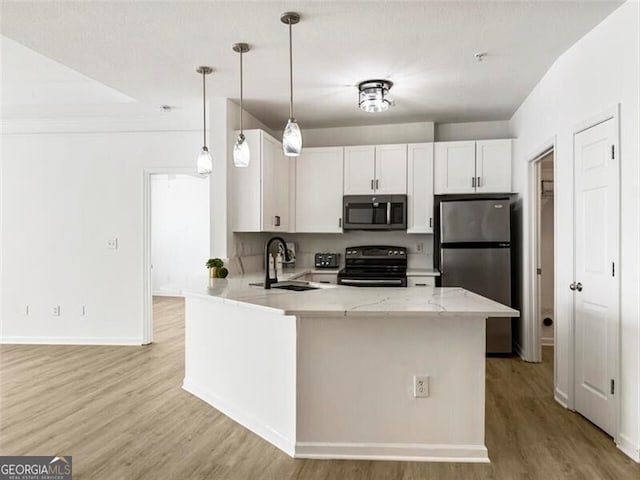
x=121 y=413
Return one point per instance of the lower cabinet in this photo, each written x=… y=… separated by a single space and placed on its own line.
x=318 y=190
x=425 y=281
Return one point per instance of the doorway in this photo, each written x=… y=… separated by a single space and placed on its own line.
x=545 y=258
x=176 y=235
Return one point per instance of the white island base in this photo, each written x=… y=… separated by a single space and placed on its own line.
x=332 y=377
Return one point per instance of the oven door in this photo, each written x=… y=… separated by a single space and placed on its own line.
x=375 y=212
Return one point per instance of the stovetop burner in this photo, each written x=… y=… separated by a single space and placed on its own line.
x=374 y=265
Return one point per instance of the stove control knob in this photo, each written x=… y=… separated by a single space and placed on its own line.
x=401 y=252
x=395 y=252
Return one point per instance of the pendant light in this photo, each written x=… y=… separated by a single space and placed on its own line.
x=241 y=153
x=205 y=162
x=292 y=136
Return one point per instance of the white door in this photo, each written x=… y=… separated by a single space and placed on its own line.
x=596 y=279
x=319 y=190
x=420 y=188
x=391 y=169
x=455 y=167
x=493 y=166
x=359 y=170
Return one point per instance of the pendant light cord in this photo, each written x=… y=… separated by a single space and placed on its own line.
x=290 y=73
x=204 y=111
x=241 y=94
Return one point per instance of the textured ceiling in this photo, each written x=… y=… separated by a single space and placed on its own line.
x=149 y=50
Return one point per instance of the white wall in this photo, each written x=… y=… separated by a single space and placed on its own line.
x=598 y=72
x=367 y=134
x=62 y=197
x=179 y=230
x=446 y=132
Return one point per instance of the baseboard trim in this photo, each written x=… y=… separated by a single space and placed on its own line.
x=561 y=398
x=121 y=341
x=547 y=341
x=242 y=417
x=415 y=452
x=164 y=293
x=627 y=447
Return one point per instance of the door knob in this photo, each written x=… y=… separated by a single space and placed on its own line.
x=572 y=286
x=579 y=286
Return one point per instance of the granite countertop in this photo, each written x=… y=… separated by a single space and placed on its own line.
x=339 y=300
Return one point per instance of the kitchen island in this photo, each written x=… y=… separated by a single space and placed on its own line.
x=329 y=373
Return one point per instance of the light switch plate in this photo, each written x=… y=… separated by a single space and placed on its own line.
x=112 y=243
x=55 y=311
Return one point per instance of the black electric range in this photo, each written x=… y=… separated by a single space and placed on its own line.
x=374 y=266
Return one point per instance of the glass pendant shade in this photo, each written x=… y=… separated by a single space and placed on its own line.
x=292 y=139
x=241 y=152
x=205 y=162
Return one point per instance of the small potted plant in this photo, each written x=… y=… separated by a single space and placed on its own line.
x=216 y=268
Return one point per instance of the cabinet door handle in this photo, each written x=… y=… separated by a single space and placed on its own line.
x=377 y=184
x=430 y=222
x=277 y=220
x=473 y=182
x=340 y=222
x=372 y=184
x=478 y=182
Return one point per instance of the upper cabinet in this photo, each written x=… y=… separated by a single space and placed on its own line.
x=318 y=190
x=493 y=166
x=378 y=169
x=420 y=188
x=260 y=192
x=482 y=166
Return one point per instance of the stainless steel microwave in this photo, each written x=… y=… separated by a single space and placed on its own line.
x=375 y=212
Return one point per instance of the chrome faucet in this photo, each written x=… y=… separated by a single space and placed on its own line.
x=268 y=281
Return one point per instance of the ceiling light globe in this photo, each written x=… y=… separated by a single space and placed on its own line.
x=292 y=139
x=241 y=152
x=205 y=162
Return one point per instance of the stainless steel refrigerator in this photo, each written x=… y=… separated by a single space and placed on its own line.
x=474 y=252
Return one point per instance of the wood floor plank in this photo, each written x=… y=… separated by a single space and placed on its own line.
x=122 y=414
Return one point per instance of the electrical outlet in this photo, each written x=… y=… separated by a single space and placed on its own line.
x=24 y=310
x=83 y=310
x=420 y=386
x=112 y=243
x=419 y=247
x=55 y=311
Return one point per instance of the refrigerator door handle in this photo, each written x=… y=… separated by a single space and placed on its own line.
x=388 y=213
x=473 y=182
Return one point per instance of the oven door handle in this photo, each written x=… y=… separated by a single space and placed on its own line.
x=371 y=281
x=388 y=213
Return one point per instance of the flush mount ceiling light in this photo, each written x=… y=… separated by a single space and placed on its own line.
x=205 y=162
x=292 y=136
x=373 y=95
x=241 y=153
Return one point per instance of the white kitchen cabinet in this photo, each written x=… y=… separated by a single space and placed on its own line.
x=359 y=170
x=421 y=281
x=420 y=188
x=493 y=166
x=391 y=169
x=375 y=169
x=455 y=167
x=482 y=166
x=318 y=190
x=260 y=192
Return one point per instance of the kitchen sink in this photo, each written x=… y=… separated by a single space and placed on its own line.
x=295 y=288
